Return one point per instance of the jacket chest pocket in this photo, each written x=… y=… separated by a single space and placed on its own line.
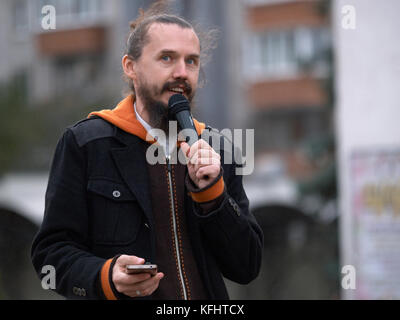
x=114 y=212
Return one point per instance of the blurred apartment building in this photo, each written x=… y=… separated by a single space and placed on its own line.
x=81 y=58
x=271 y=70
x=287 y=85
x=76 y=58
x=286 y=64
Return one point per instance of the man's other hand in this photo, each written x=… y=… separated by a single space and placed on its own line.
x=134 y=285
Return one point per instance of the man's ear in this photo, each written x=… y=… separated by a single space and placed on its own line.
x=128 y=65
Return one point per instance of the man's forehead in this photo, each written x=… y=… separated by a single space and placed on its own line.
x=160 y=33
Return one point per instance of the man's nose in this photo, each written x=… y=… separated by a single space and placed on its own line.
x=180 y=71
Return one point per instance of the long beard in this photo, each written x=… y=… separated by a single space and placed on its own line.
x=157 y=110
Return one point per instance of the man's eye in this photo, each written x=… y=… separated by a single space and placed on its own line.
x=166 y=58
x=191 y=61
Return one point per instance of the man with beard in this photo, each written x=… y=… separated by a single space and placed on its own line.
x=107 y=207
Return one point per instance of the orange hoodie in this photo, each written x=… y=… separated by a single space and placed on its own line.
x=124 y=117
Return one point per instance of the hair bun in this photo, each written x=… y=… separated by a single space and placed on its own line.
x=133 y=24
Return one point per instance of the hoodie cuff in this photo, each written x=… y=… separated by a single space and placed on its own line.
x=211 y=192
x=107 y=285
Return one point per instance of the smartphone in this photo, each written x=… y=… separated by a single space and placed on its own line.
x=141 y=268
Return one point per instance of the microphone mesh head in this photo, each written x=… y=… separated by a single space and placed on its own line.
x=177 y=103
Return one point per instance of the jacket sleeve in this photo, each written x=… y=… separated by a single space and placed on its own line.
x=230 y=231
x=62 y=241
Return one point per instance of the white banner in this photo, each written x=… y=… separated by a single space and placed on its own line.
x=375 y=203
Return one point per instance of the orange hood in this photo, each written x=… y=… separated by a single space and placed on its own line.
x=124 y=117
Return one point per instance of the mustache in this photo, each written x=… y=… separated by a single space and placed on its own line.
x=186 y=86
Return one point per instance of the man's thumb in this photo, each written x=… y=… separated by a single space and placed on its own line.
x=125 y=259
x=185 y=149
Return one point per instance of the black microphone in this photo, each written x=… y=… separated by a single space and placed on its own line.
x=179 y=109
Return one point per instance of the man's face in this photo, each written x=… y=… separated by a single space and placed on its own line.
x=169 y=64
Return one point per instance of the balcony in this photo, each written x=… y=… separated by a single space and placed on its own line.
x=285 y=15
x=300 y=92
x=69 y=42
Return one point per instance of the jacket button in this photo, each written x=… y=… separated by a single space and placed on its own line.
x=79 y=291
x=116 y=194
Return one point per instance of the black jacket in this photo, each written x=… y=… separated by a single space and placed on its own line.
x=86 y=222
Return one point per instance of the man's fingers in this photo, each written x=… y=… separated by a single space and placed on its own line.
x=151 y=281
x=126 y=280
x=149 y=286
x=204 y=154
x=200 y=153
x=210 y=171
x=198 y=159
x=146 y=287
x=202 y=163
x=198 y=145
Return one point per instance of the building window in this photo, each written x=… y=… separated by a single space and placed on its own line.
x=286 y=53
x=66 y=79
x=288 y=129
x=73 y=73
